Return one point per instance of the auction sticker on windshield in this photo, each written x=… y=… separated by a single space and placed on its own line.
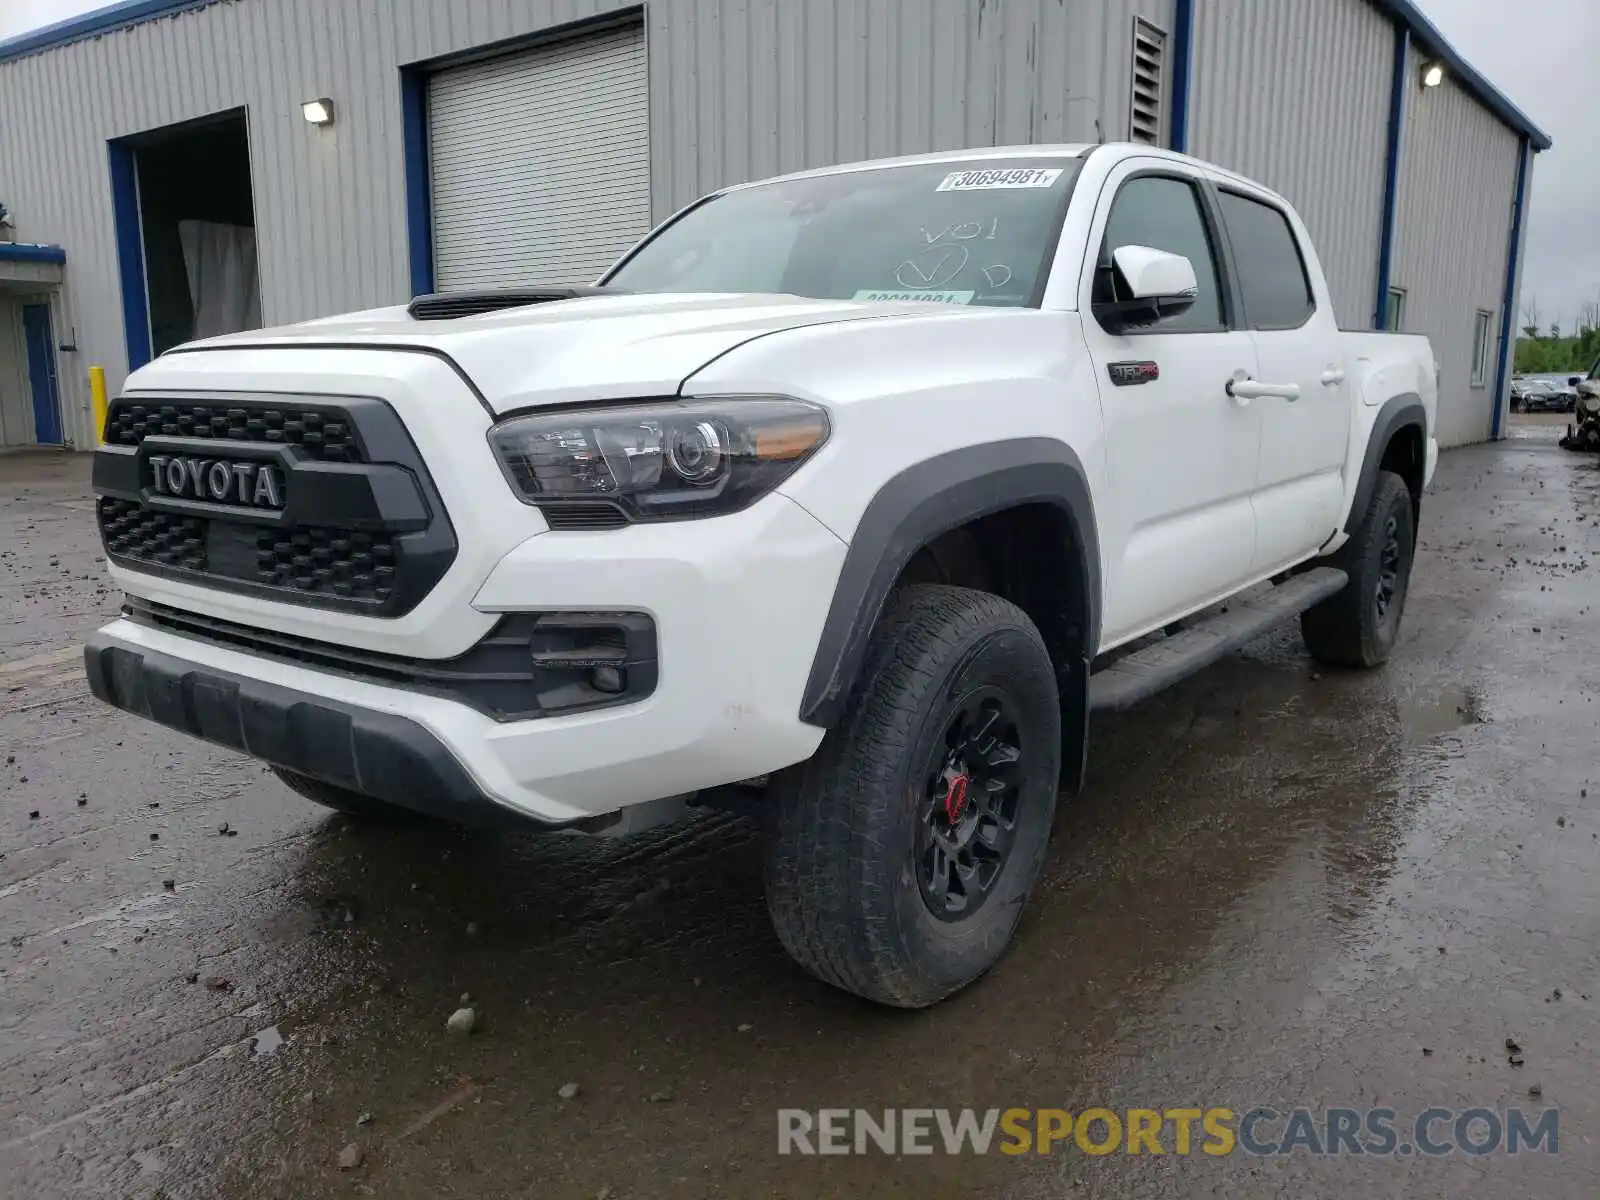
x=1014 y=177
x=912 y=294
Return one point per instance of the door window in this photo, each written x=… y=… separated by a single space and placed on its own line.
x=1480 y=347
x=1163 y=213
x=1272 y=275
x=1395 y=310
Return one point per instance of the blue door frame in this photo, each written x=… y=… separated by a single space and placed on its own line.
x=41 y=342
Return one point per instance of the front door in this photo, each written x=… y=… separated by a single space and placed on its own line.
x=1305 y=430
x=41 y=344
x=1178 y=529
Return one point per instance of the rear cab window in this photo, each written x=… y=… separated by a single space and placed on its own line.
x=1274 y=286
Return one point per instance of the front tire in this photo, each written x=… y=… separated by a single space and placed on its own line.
x=902 y=852
x=1357 y=626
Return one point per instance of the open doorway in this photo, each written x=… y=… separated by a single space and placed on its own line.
x=186 y=232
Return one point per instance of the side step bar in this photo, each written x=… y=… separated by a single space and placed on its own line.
x=1144 y=673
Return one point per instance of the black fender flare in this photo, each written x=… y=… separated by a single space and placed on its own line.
x=1397 y=412
x=916 y=506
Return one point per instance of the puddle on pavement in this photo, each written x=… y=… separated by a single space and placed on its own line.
x=1426 y=715
x=267 y=1042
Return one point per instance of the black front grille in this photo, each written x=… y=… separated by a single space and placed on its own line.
x=135 y=532
x=332 y=561
x=360 y=526
x=323 y=433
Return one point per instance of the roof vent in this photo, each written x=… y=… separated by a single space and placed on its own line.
x=1148 y=74
x=447 y=306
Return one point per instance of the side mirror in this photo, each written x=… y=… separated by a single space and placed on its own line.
x=1150 y=284
x=1574 y=380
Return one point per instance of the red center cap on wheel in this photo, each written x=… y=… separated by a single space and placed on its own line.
x=955 y=799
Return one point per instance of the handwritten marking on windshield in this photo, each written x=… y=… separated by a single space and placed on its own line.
x=964 y=232
x=932 y=268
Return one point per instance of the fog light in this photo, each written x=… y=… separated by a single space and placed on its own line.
x=608 y=679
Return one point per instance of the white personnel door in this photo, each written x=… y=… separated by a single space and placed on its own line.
x=540 y=162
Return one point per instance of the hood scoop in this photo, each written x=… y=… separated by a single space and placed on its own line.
x=447 y=306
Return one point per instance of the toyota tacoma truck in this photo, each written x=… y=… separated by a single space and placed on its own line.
x=842 y=499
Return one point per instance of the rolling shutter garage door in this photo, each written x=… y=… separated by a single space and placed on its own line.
x=540 y=163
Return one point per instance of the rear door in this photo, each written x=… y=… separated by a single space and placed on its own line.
x=1177 y=530
x=1305 y=418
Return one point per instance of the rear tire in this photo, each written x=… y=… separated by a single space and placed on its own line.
x=342 y=799
x=1357 y=626
x=902 y=852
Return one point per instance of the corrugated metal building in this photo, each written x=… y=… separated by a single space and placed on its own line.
x=164 y=176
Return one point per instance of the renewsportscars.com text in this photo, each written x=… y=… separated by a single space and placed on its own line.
x=1259 y=1131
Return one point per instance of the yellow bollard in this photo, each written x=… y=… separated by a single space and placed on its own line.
x=97 y=403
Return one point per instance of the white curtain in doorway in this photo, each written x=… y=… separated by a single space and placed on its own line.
x=221 y=264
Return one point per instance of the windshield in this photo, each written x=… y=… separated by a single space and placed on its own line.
x=962 y=232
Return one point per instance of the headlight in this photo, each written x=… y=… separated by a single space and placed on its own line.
x=1590 y=404
x=661 y=461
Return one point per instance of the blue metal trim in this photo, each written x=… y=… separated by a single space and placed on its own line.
x=130 y=253
x=1182 y=53
x=1508 y=301
x=29 y=252
x=419 y=214
x=1432 y=42
x=93 y=24
x=1391 y=173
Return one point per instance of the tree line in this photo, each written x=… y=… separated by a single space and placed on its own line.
x=1546 y=350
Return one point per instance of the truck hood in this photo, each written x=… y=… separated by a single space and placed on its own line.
x=594 y=347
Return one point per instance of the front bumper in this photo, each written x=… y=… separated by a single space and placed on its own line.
x=379 y=754
x=738 y=604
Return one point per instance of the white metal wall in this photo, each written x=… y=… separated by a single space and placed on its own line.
x=1295 y=93
x=16 y=398
x=738 y=89
x=1458 y=179
x=540 y=162
x=742 y=89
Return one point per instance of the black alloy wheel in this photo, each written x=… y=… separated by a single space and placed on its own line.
x=968 y=822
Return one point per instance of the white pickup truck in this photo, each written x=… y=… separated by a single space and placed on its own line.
x=843 y=499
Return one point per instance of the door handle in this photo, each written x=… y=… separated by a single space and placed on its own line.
x=1332 y=377
x=1242 y=389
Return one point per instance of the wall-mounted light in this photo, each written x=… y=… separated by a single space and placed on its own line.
x=1432 y=74
x=318 y=112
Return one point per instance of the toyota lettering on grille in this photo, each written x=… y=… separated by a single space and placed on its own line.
x=252 y=485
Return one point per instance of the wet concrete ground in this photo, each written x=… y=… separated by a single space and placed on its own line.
x=1284 y=886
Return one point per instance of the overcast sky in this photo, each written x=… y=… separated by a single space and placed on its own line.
x=1541 y=53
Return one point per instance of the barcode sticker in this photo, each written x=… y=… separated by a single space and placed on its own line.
x=1014 y=177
